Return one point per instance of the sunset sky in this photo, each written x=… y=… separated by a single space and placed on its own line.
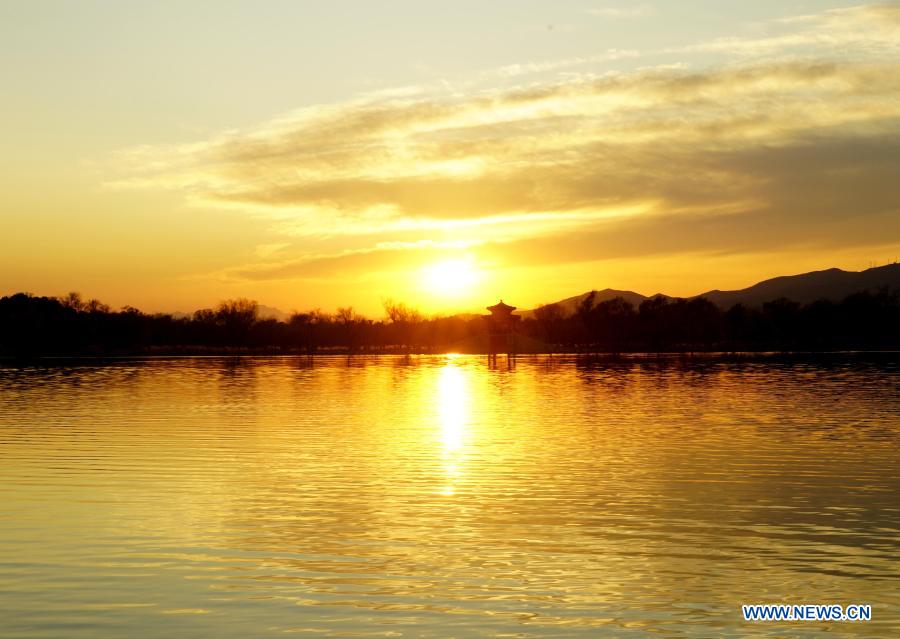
x=167 y=155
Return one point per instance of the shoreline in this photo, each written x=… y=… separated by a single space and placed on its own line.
x=576 y=356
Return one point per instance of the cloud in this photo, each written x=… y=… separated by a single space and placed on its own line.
x=782 y=150
x=822 y=193
x=528 y=68
x=863 y=31
x=559 y=147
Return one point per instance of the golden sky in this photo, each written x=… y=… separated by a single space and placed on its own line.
x=168 y=155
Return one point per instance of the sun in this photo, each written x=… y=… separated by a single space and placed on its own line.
x=450 y=278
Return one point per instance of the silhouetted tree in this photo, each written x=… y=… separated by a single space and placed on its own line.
x=781 y=322
x=73 y=300
x=404 y=321
x=237 y=317
x=550 y=319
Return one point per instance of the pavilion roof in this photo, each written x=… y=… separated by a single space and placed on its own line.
x=501 y=308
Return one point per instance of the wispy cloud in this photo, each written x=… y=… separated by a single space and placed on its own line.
x=867 y=31
x=527 y=68
x=654 y=159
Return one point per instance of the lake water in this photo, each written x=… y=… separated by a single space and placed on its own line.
x=437 y=497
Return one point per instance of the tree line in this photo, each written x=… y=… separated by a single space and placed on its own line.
x=868 y=320
x=33 y=326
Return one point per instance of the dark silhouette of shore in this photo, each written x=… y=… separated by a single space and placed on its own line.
x=33 y=326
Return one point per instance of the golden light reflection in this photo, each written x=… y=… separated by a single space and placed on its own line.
x=453 y=413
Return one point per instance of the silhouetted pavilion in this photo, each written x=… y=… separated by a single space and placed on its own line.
x=501 y=324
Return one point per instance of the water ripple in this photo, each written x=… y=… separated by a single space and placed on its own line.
x=438 y=497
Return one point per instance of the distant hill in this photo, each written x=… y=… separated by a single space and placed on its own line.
x=263 y=311
x=269 y=312
x=571 y=303
x=831 y=284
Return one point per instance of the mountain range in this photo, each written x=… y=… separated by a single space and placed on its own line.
x=831 y=284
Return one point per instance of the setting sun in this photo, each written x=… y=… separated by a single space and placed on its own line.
x=450 y=278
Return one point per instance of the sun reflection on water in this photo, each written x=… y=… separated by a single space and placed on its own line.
x=453 y=404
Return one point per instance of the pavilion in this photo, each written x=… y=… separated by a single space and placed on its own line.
x=501 y=325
